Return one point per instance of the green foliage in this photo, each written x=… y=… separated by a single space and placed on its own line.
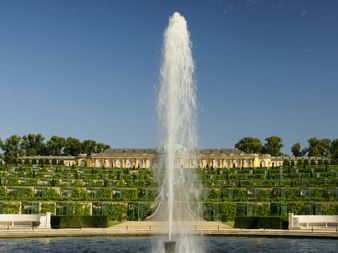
x=90 y=147
x=72 y=208
x=29 y=207
x=11 y=148
x=55 y=145
x=20 y=193
x=319 y=147
x=286 y=163
x=212 y=211
x=118 y=211
x=330 y=208
x=295 y=208
x=273 y=146
x=11 y=207
x=274 y=191
x=72 y=146
x=102 y=194
x=79 y=221
x=127 y=194
x=228 y=211
x=334 y=150
x=255 y=222
x=81 y=208
x=296 y=150
x=3 y=193
x=249 y=145
x=47 y=207
x=138 y=211
x=261 y=209
x=32 y=144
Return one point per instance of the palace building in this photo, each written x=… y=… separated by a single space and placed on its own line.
x=151 y=158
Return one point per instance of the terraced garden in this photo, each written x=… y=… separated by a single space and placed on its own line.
x=309 y=189
x=122 y=194
x=132 y=194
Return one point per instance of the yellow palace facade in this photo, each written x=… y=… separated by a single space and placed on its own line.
x=152 y=157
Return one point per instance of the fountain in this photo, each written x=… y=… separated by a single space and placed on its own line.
x=177 y=116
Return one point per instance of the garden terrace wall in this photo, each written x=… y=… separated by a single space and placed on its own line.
x=130 y=193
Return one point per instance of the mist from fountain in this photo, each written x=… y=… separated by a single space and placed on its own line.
x=177 y=119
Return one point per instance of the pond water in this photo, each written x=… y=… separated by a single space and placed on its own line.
x=211 y=244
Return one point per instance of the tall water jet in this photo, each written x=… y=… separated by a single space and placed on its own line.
x=177 y=116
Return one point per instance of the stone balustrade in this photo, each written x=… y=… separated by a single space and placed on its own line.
x=312 y=221
x=33 y=220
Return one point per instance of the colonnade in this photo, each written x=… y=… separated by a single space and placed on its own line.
x=123 y=162
x=180 y=163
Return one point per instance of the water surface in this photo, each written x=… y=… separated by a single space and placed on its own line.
x=144 y=244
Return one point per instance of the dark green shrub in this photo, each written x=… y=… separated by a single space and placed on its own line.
x=79 y=221
x=227 y=211
x=270 y=222
x=118 y=211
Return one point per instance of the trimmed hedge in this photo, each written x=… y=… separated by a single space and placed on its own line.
x=79 y=221
x=274 y=222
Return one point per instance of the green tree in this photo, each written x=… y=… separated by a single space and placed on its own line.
x=319 y=147
x=55 y=145
x=100 y=147
x=1 y=155
x=11 y=148
x=273 y=146
x=72 y=147
x=88 y=147
x=325 y=147
x=296 y=150
x=249 y=145
x=32 y=144
x=334 y=149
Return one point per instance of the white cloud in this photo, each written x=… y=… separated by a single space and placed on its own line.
x=250 y=3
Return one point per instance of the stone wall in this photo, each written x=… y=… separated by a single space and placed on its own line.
x=312 y=221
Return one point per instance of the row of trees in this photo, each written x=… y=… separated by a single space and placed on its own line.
x=316 y=147
x=35 y=144
x=272 y=145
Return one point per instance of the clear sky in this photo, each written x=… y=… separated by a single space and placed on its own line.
x=90 y=69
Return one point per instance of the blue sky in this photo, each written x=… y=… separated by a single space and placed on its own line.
x=90 y=69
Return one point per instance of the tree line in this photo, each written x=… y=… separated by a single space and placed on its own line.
x=36 y=145
x=316 y=147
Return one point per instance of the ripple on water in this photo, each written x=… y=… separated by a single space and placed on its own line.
x=143 y=245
